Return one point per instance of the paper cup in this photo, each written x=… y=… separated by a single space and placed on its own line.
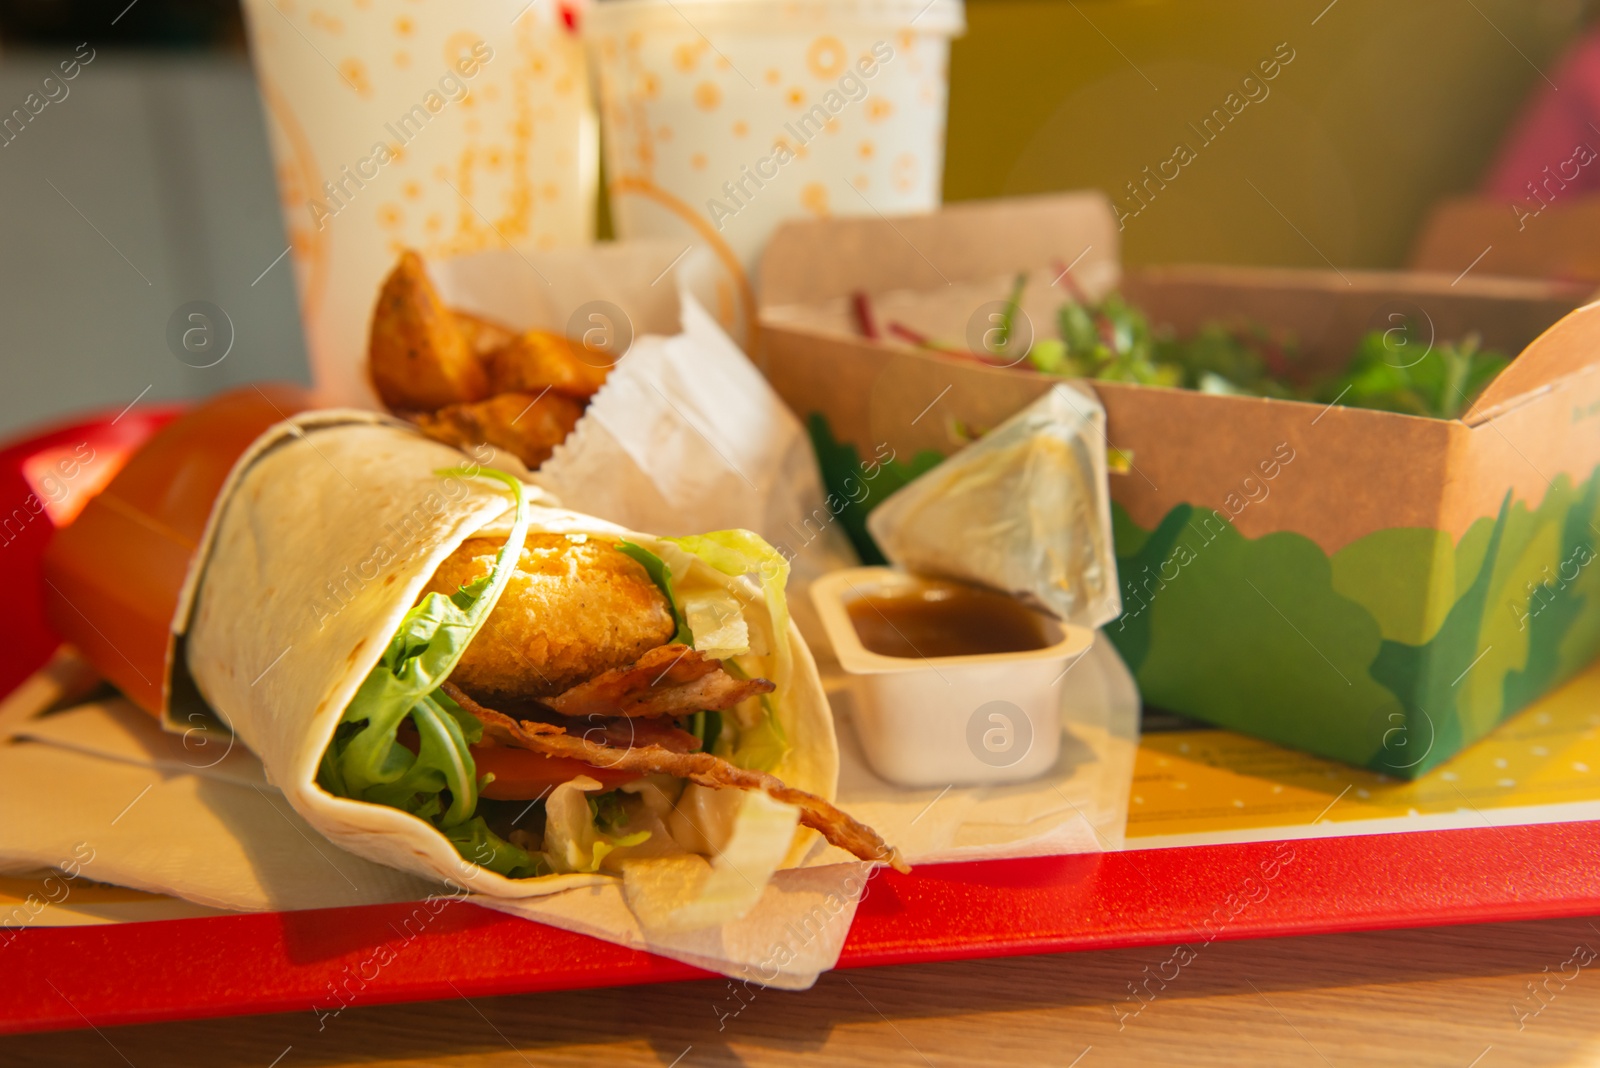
x=722 y=118
x=447 y=126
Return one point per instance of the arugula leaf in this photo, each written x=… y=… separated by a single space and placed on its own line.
x=661 y=575
x=707 y=726
x=478 y=844
x=365 y=761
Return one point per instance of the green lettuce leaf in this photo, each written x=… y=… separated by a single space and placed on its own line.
x=661 y=575
x=739 y=553
x=365 y=760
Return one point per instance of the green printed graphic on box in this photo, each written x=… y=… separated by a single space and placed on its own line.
x=1393 y=653
x=855 y=486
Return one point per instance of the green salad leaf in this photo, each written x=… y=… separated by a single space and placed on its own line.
x=760 y=746
x=1112 y=341
x=661 y=575
x=366 y=761
x=1441 y=383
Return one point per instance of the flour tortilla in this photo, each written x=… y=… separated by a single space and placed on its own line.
x=325 y=534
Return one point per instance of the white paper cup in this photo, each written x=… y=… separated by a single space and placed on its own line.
x=487 y=103
x=723 y=118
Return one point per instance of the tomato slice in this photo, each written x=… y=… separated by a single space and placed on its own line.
x=523 y=776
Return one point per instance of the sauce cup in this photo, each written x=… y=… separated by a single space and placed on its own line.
x=948 y=720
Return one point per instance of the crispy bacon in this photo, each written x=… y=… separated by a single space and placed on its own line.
x=669 y=680
x=837 y=826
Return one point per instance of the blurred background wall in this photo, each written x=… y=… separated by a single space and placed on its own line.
x=150 y=185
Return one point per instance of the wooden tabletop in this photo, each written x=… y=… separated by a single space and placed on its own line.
x=1451 y=996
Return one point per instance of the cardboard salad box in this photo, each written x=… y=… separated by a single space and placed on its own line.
x=1378 y=588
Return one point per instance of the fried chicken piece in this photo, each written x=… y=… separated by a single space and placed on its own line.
x=539 y=360
x=417 y=355
x=670 y=680
x=572 y=609
x=527 y=426
x=834 y=824
x=484 y=337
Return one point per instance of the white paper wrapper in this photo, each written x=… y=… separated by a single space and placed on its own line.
x=161 y=818
x=1026 y=509
x=686 y=436
x=505 y=154
x=195 y=820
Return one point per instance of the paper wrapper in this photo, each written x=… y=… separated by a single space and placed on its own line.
x=723 y=119
x=1026 y=509
x=506 y=154
x=194 y=818
x=686 y=436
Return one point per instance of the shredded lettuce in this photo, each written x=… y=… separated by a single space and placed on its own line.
x=572 y=826
x=762 y=746
x=365 y=760
x=739 y=553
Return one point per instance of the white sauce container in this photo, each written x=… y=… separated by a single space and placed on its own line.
x=948 y=720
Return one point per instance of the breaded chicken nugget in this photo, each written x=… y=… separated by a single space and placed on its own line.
x=526 y=425
x=573 y=609
x=539 y=360
x=418 y=356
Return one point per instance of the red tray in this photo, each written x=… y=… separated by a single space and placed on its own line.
x=295 y=961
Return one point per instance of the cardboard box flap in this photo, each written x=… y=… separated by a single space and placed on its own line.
x=1490 y=236
x=818 y=260
x=1570 y=346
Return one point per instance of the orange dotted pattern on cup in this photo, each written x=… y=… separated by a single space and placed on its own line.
x=806 y=95
x=707 y=96
x=499 y=137
x=814 y=198
x=826 y=58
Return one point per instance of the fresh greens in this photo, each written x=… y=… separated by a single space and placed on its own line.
x=706 y=726
x=761 y=745
x=661 y=575
x=1441 y=383
x=366 y=761
x=1111 y=340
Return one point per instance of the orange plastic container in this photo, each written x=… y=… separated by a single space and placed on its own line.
x=113 y=576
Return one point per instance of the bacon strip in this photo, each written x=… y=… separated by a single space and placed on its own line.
x=837 y=826
x=669 y=680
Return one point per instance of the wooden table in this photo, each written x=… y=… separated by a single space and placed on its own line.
x=1442 y=996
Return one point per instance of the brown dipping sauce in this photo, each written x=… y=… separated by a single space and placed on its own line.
x=939 y=618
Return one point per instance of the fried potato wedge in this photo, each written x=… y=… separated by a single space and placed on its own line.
x=572 y=610
x=529 y=426
x=484 y=337
x=418 y=355
x=539 y=360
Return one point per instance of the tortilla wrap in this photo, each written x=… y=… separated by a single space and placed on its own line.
x=325 y=534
